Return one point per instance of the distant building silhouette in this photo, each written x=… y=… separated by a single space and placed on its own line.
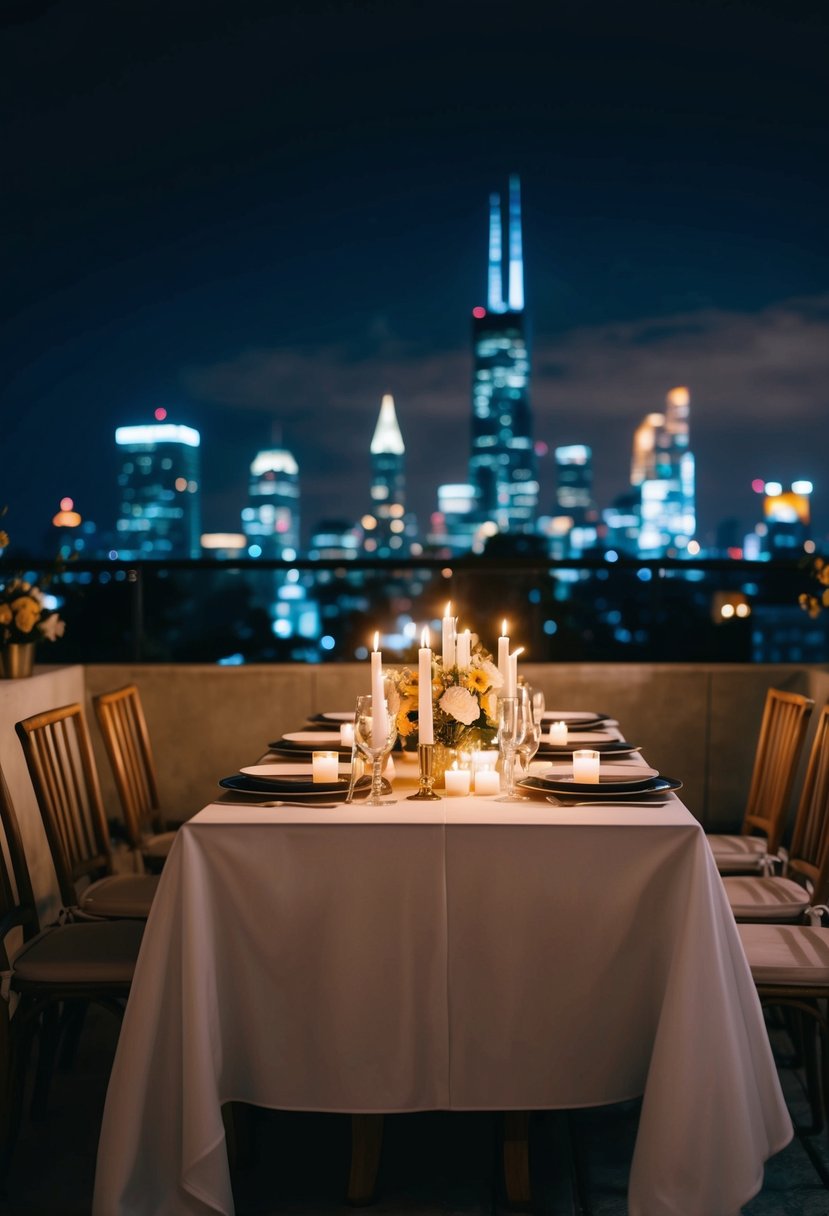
x=388 y=529
x=271 y=519
x=502 y=465
x=159 y=484
x=663 y=470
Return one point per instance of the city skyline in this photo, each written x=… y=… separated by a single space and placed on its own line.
x=289 y=245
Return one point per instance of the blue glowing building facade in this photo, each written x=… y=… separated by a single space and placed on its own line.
x=159 y=484
x=502 y=466
x=271 y=519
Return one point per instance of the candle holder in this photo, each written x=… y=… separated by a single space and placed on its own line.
x=425 y=793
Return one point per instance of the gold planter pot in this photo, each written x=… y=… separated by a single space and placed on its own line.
x=17 y=660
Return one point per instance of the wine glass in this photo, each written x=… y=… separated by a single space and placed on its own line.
x=528 y=746
x=374 y=735
x=511 y=726
x=539 y=705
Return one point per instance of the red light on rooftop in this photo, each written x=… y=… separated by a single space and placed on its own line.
x=160 y=414
x=758 y=485
x=735 y=553
x=66 y=504
x=478 y=312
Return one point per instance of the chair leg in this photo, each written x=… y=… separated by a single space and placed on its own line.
x=366 y=1143
x=74 y=1016
x=18 y=1035
x=517 y=1159
x=48 y=1044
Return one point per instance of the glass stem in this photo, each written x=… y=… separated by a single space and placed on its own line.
x=376 y=779
x=510 y=767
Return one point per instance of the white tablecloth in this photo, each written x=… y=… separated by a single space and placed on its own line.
x=464 y=955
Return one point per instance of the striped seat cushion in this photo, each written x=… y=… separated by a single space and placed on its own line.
x=786 y=954
x=771 y=899
x=740 y=853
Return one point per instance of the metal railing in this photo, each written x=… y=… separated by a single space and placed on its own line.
x=326 y=610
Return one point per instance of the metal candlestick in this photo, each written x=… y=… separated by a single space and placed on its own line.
x=425 y=793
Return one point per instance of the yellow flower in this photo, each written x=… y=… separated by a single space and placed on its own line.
x=405 y=725
x=409 y=687
x=477 y=680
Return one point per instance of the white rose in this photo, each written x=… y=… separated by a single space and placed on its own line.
x=460 y=704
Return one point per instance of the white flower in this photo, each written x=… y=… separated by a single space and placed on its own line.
x=492 y=672
x=52 y=627
x=460 y=704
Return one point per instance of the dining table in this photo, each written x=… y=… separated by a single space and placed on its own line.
x=461 y=954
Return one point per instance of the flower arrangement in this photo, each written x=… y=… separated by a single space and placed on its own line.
x=814 y=604
x=23 y=614
x=464 y=700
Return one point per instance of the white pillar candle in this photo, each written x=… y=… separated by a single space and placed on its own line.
x=347 y=734
x=448 y=637
x=379 y=713
x=325 y=766
x=487 y=781
x=586 y=766
x=503 y=657
x=425 y=725
x=512 y=682
x=558 y=733
x=456 y=781
x=463 y=650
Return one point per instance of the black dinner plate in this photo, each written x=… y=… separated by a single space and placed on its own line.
x=564 y=751
x=284 y=747
x=653 y=785
x=240 y=783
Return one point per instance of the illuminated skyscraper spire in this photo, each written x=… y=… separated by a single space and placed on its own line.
x=516 y=255
x=387 y=437
x=388 y=485
x=495 y=292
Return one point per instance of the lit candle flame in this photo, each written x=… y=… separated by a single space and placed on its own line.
x=377 y=641
x=424 y=638
x=448 y=611
x=503 y=628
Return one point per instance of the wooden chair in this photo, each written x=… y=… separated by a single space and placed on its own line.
x=790 y=968
x=126 y=738
x=779 y=744
x=59 y=756
x=58 y=966
x=805 y=884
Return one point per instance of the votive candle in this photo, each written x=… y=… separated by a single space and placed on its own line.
x=325 y=766
x=456 y=781
x=487 y=781
x=586 y=766
x=558 y=733
x=347 y=734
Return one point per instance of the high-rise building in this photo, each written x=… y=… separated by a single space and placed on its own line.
x=159 y=486
x=574 y=481
x=663 y=470
x=271 y=519
x=387 y=526
x=502 y=465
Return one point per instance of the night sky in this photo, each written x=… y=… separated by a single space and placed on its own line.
x=263 y=216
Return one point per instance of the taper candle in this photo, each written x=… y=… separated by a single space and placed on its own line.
x=448 y=637
x=379 y=715
x=425 y=726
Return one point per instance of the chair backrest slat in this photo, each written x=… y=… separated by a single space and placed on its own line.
x=779 y=744
x=809 y=853
x=126 y=738
x=61 y=764
x=15 y=883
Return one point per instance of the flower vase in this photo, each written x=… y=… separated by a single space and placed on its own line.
x=17 y=660
x=442 y=758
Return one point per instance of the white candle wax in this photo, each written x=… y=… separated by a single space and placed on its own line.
x=448 y=637
x=558 y=733
x=456 y=782
x=379 y=714
x=586 y=766
x=487 y=781
x=512 y=682
x=463 y=650
x=325 y=766
x=425 y=726
x=503 y=657
x=347 y=734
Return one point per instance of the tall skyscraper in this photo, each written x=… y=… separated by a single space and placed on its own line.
x=574 y=481
x=502 y=465
x=387 y=524
x=159 y=486
x=663 y=470
x=271 y=519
